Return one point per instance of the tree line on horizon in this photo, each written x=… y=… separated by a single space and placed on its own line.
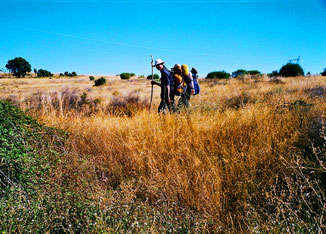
x=19 y=67
x=288 y=70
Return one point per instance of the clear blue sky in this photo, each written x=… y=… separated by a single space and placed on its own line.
x=114 y=36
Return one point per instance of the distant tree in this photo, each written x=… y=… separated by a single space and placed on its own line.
x=308 y=74
x=35 y=71
x=218 y=75
x=18 y=67
x=73 y=74
x=91 y=78
x=61 y=74
x=274 y=74
x=156 y=77
x=291 y=69
x=100 y=81
x=323 y=73
x=44 y=73
x=132 y=74
x=254 y=72
x=239 y=72
x=125 y=76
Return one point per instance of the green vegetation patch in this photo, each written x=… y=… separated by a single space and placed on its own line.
x=28 y=153
x=24 y=143
x=218 y=75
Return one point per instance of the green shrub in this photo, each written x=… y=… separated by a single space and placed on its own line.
x=218 y=75
x=141 y=76
x=73 y=74
x=91 y=78
x=274 y=74
x=239 y=72
x=323 y=73
x=125 y=76
x=291 y=69
x=156 y=77
x=254 y=72
x=61 y=74
x=100 y=81
x=132 y=74
x=43 y=73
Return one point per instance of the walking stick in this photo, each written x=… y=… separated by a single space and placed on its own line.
x=150 y=104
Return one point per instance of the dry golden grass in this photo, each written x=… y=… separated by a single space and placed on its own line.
x=238 y=156
x=25 y=87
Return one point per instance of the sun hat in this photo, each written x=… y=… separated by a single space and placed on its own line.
x=193 y=70
x=158 y=62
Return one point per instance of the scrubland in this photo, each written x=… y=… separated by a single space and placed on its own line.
x=248 y=156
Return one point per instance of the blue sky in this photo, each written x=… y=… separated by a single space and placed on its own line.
x=110 y=37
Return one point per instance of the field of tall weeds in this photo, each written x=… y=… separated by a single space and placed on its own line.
x=247 y=156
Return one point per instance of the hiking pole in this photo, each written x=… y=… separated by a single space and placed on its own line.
x=150 y=104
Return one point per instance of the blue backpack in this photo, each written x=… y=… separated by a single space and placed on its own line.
x=170 y=77
x=196 y=84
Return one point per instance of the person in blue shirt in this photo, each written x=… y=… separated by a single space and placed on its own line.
x=166 y=87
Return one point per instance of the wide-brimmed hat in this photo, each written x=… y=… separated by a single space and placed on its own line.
x=158 y=62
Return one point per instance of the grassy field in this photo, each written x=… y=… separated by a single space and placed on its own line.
x=248 y=156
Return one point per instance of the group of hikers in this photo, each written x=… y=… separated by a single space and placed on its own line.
x=177 y=82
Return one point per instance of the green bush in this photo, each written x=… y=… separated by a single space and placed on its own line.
x=291 y=69
x=274 y=74
x=141 y=76
x=239 y=72
x=43 y=73
x=91 y=78
x=132 y=74
x=156 y=77
x=254 y=72
x=100 y=81
x=218 y=75
x=125 y=76
x=61 y=74
x=73 y=74
x=323 y=73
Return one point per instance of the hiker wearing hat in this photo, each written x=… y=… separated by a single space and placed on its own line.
x=190 y=89
x=194 y=73
x=167 y=100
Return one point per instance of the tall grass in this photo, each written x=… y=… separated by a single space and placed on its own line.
x=248 y=156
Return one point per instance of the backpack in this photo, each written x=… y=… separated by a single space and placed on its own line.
x=196 y=84
x=179 y=84
x=170 y=77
